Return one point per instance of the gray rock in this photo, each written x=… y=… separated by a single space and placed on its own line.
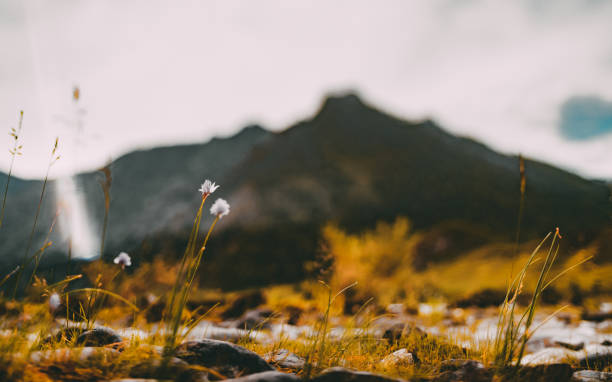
x=285 y=359
x=393 y=331
x=242 y=303
x=254 y=319
x=550 y=356
x=228 y=359
x=99 y=337
x=591 y=376
x=268 y=376
x=171 y=368
x=463 y=370
x=73 y=354
x=596 y=316
x=572 y=345
x=64 y=335
x=595 y=355
x=340 y=374
x=548 y=372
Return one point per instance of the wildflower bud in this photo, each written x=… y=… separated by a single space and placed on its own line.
x=123 y=259
x=54 y=301
x=208 y=187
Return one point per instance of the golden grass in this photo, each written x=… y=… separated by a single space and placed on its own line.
x=380 y=260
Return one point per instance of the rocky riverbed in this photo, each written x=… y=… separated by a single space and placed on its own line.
x=569 y=346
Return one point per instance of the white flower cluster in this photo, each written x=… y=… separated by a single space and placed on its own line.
x=220 y=207
x=208 y=187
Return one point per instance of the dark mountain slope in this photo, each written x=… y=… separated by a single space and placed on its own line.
x=354 y=164
x=351 y=164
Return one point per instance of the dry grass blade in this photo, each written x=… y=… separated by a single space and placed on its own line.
x=106 y=292
x=15 y=133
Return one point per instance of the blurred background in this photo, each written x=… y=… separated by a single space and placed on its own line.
x=353 y=139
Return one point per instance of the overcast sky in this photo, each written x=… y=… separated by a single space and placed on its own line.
x=517 y=75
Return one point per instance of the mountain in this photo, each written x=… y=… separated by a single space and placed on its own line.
x=351 y=164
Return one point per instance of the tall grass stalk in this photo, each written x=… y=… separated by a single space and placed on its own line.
x=105 y=292
x=523 y=184
x=106 y=186
x=16 y=150
x=54 y=158
x=318 y=346
x=512 y=334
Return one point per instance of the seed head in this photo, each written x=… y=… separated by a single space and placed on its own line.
x=220 y=208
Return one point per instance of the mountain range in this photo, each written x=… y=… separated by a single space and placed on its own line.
x=350 y=164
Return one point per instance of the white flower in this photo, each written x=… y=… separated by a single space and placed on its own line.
x=220 y=208
x=208 y=187
x=54 y=301
x=123 y=259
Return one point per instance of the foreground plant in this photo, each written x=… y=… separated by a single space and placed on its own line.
x=54 y=158
x=512 y=334
x=188 y=268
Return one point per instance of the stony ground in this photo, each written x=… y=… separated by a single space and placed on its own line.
x=433 y=343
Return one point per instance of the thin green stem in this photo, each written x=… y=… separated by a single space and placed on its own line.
x=179 y=294
x=29 y=246
x=179 y=276
x=534 y=300
x=38 y=255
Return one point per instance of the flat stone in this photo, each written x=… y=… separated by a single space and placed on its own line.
x=210 y=331
x=591 y=376
x=72 y=354
x=549 y=356
x=285 y=359
x=228 y=359
x=569 y=344
x=268 y=376
x=401 y=357
x=340 y=374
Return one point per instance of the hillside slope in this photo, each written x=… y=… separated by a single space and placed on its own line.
x=351 y=164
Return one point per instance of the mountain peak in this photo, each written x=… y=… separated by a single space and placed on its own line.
x=251 y=131
x=253 y=128
x=343 y=102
